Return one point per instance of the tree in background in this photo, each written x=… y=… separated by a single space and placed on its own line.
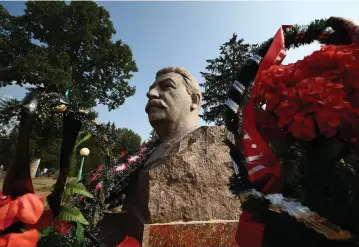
x=126 y=140
x=220 y=74
x=122 y=139
x=57 y=46
x=153 y=135
x=7 y=147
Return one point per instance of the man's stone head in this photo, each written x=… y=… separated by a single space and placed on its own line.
x=175 y=96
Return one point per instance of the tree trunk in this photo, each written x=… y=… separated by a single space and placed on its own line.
x=34 y=165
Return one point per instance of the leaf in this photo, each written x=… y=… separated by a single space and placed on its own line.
x=75 y=188
x=80 y=232
x=46 y=231
x=102 y=196
x=96 y=217
x=70 y=213
x=85 y=139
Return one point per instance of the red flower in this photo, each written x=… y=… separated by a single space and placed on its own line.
x=27 y=209
x=93 y=177
x=62 y=227
x=123 y=153
x=28 y=239
x=133 y=158
x=142 y=149
x=322 y=89
x=302 y=128
x=98 y=186
x=99 y=167
x=121 y=167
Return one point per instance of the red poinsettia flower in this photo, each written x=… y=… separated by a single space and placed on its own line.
x=27 y=209
x=28 y=239
x=129 y=242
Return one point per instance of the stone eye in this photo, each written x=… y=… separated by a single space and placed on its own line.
x=167 y=84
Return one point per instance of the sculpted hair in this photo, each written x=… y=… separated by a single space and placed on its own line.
x=190 y=81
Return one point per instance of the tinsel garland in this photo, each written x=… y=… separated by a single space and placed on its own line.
x=108 y=182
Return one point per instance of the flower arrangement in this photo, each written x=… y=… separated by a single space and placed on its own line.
x=320 y=90
x=23 y=218
x=297 y=136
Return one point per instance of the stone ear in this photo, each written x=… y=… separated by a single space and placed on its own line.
x=196 y=98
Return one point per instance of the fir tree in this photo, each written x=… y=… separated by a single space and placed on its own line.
x=220 y=74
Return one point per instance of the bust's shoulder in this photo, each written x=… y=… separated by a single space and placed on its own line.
x=202 y=138
x=214 y=131
x=199 y=142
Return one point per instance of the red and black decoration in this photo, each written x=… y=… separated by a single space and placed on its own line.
x=262 y=167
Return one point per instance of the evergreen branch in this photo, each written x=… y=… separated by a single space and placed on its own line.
x=74 y=187
x=70 y=213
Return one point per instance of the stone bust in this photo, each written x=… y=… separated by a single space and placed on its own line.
x=186 y=178
x=174 y=101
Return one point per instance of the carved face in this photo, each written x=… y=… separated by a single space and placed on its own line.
x=168 y=99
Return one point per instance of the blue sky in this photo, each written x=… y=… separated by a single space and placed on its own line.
x=187 y=33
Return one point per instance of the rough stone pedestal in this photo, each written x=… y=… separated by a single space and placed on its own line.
x=191 y=234
x=190 y=185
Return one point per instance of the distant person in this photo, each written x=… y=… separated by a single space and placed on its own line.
x=45 y=171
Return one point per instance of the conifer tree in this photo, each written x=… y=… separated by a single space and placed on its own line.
x=220 y=74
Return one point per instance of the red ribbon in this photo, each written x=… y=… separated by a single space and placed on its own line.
x=262 y=164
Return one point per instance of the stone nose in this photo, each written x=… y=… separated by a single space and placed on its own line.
x=153 y=93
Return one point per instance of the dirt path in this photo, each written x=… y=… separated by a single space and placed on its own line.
x=42 y=186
